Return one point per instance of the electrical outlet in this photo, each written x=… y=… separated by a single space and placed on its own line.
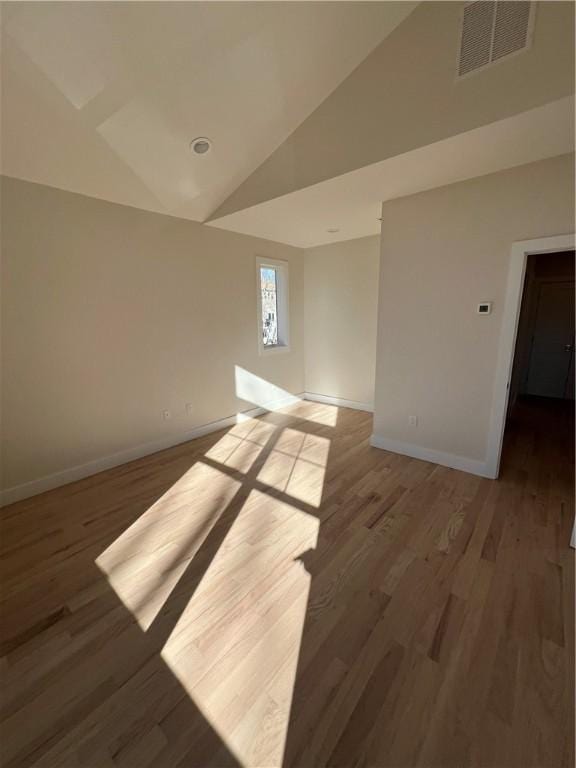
x=413 y=421
x=189 y=409
x=166 y=415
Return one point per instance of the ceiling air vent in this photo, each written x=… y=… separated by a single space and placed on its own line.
x=492 y=30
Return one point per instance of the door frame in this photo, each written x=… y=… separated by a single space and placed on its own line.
x=508 y=334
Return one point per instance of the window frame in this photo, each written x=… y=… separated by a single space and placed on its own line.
x=282 y=305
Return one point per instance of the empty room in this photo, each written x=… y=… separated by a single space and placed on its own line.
x=287 y=384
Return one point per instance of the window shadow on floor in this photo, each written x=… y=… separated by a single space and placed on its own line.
x=100 y=692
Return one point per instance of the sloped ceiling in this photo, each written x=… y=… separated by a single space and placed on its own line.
x=406 y=95
x=351 y=203
x=402 y=122
x=104 y=98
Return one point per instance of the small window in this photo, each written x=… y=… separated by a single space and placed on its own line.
x=272 y=284
x=268 y=285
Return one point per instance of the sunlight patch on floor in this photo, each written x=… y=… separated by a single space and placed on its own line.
x=145 y=563
x=320 y=413
x=235 y=647
x=255 y=429
x=296 y=465
x=234 y=610
x=235 y=452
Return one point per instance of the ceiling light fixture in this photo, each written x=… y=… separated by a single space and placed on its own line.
x=333 y=230
x=201 y=145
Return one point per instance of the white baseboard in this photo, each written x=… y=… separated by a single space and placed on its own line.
x=71 y=475
x=464 y=464
x=79 y=472
x=340 y=402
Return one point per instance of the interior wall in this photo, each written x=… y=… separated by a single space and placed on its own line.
x=340 y=310
x=443 y=252
x=112 y=315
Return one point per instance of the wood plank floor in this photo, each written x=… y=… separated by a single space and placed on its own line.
x=282 y=594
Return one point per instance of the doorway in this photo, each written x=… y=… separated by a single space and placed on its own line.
x=557 y=431
x=540 y=419
x=544 y=355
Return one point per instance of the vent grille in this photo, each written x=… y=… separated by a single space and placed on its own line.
x=492 y=30
x=510 y=28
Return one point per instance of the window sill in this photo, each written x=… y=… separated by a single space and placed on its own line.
x=277 y=349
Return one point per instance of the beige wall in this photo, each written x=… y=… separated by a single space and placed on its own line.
x=341 y=300
x=442 y=252
x=405 y=95
x=112 y=315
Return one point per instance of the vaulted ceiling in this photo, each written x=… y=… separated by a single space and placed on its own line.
x=104 y=98
x=317 y=111
x=349 y=205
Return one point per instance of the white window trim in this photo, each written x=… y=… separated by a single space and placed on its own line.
x=283 y=303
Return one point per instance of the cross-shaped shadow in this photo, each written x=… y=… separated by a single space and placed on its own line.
x=132 y=670
x=249 y=481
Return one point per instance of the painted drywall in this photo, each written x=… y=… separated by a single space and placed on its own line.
x=340 y=310
x=405 y=95
x=112 y=315
x=353 y=200
x=112 y=80
x=443 y=252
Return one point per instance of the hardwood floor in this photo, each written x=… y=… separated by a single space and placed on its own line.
x=284 y=594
